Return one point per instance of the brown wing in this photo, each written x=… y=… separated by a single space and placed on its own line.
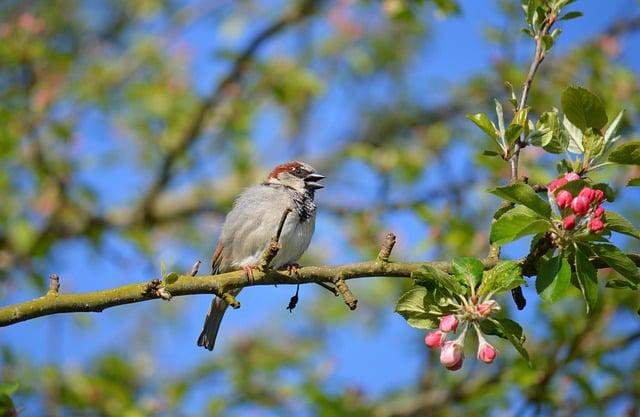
x=216 y=259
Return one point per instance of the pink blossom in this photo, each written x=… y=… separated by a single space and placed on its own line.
x=452 y=355
x=435 y=339
x=588 y=193
x=569 y=222
x=486 y=352
x=449 y=323
x=555 y=184
x=596 y=225
x=571 y=176
x=580 y=205
x=598 y=195
x=564 y=198
x=598 y=212
x=485 y=308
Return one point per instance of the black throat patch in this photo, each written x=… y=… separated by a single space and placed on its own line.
x=303 y=204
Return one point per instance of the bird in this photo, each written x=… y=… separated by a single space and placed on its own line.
x=254 y=220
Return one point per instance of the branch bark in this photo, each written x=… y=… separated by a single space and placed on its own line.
x=186 y=284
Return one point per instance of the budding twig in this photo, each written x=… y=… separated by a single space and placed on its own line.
x=230 y=299
x=194 y=269
x=274 y=246
x=387 y=246
x=54 y=284
x=156 y=288
x=345 y=292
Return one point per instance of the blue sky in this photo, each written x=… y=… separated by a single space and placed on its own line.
x=459 y=50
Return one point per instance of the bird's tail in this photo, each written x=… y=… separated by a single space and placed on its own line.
x=211 y=326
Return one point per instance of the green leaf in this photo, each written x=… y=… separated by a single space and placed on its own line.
x=509 y=330
x=619 y=224
x=574 y=137
x=468 y=269
x=435 y=279
x=490 y=153
x=617 y=260
x=171 y=278
x=554 y=277
x=516 y=223
x=583 y=108
x=611 y=134
x=593 y=143
x=634 y=182
x=627 y=153
x=620 y=284
x=482 y=121
x=411 y=306
x=163 y=269
x=7 y=408
x=9 y=388
x=512 y=133
x=503 y=277
x=500 y=115
x=587 y=279
x=570 y=15
x=550 y=134
x=522 y=193
x=547 y=42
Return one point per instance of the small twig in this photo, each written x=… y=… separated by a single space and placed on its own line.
x=156 y=288
x=329 y=288
x=274 y=246
x=387 y=246
x=194 y=269
x=54 y=284
x=538 y=57
x=345 y=292
x=230 y=299
x=294 y=300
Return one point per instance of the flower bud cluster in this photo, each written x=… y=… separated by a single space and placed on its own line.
x=452 y=351
x=581 y=210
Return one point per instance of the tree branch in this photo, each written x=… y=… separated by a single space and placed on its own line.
x=214 y=284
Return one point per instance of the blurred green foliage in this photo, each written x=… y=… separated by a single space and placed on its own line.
x=132 y=66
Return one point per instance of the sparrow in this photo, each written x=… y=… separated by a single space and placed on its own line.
x=254 y=220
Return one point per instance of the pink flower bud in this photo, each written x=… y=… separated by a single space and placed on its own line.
x=596 y=225
x=555 y=184
x=449 y=323
x=598 y=195
x=486 y=352
x=569 y=222
x=435 y=339
x=598 y=212
x=485 y=309
x=580 y=205
x=588 y=193
x=452 y=355
x=571 y=176
x=564 y=198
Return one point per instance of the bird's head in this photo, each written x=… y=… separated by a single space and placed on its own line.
x=297 y=175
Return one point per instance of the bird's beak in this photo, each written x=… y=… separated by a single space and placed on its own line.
x=310 y=181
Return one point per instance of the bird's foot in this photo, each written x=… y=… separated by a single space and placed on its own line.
x=248 y=270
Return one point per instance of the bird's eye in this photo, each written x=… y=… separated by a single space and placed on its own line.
x=298 y=171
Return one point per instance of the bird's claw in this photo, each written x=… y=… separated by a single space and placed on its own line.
x=248 y=270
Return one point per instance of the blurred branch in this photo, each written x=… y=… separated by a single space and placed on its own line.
x=235 y=75
x=215 y=284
